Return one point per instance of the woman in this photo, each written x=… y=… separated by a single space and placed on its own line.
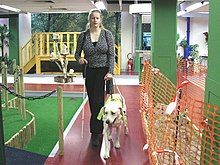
x=98 y=46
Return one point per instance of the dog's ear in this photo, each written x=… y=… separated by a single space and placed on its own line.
x=101 y=113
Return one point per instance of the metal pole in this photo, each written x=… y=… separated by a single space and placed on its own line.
x=2 y=145
x=187 y=49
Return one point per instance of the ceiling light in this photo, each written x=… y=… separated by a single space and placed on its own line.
x=182 y=12
x=203 y=12
x=9 y=8
x=140 y=8
x=100 y=5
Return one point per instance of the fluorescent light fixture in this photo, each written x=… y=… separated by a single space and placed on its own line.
x=143 y=8
x=53 y=12
x=9 y=8
x=100 y=5
x=182 y=12
x=204 y=12
x=192 y=8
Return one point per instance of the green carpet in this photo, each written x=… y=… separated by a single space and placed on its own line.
x=45 y=111
x=12 y=122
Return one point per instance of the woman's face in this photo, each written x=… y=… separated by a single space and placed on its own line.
x=95 y=19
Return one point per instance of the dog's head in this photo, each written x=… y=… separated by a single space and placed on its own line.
x=111 y=112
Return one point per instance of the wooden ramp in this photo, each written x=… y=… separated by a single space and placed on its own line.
x=78 y=150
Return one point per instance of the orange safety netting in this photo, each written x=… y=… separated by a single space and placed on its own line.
x=191 y=133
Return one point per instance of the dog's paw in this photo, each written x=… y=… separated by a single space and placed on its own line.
x=126 y=130
x=109 y=138
x=106 y=156
x=117 y=145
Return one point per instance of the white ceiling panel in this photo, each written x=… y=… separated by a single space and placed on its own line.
x=76 y=6
x=38 y=6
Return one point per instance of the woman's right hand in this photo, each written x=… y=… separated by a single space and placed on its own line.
x=83 y=61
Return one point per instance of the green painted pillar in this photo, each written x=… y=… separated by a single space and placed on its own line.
x=212 y=89
x=2 y=147
x=163 y=33
x=137 y=64
x=14 y=37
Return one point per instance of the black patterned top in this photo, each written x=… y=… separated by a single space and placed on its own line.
x=100 y=55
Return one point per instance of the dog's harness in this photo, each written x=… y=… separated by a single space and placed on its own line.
x=117 y=100
x=122 y=103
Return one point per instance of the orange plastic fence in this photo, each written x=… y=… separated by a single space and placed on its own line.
x=191 y=133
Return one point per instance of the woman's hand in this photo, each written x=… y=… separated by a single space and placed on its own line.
x=108 y=76
x=83 y=61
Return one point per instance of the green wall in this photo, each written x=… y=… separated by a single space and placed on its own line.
x=163 y=42
x=137 y=65
x=212 y=89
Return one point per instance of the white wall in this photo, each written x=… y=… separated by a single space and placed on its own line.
x=198 y=25
x=181 y=30
x=24 y=29
x=126 y=37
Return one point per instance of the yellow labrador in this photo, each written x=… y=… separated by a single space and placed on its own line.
x=113 y=115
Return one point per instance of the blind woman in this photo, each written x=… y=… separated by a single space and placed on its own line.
x=97 y=43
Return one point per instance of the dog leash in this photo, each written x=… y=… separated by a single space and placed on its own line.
x=123 y=101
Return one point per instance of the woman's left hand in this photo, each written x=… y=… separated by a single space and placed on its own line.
x=108 y=76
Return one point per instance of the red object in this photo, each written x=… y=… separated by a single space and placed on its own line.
x=130 y=64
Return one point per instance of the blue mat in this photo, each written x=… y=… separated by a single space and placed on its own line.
x=16 y=156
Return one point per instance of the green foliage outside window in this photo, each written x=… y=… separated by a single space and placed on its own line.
x=4 y=34
x=74 y=22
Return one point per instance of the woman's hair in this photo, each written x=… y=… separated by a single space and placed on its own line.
x=89 y=18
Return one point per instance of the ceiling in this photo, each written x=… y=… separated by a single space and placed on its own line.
x=39 y=6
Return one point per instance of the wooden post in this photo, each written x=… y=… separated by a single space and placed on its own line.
x=36 y=42
x=4 y=82
x=75 y=42
x=38 y=64
x=20 y=93
x=41 y=44
x=14 y=70
x=60 y=119
x=48 y=44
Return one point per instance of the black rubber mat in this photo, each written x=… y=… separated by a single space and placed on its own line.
x=20 y=157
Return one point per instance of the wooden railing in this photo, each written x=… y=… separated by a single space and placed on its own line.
x=41 y=45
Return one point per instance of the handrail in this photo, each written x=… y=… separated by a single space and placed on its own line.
x=41 y=45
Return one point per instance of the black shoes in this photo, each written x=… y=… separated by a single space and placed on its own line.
x=95 y=140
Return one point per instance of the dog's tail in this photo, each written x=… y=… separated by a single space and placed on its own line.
x=102 y=151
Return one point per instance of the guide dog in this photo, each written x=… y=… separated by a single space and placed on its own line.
x=113 y=115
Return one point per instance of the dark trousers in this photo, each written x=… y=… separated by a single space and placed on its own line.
x=95 y=85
